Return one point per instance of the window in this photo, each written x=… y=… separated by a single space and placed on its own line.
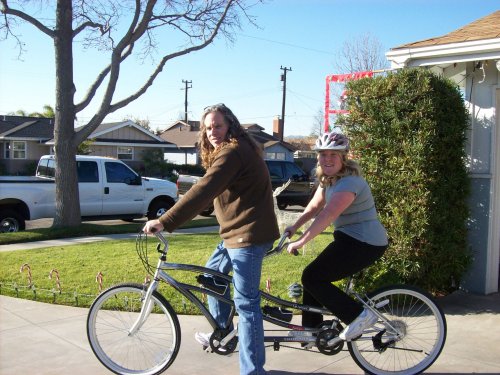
x=46 y=168
x=275 y=155
x=117 y=172
x=293 y=171
x=274 y=170
x=87 y=171
x=15 y=150
x=125 y=153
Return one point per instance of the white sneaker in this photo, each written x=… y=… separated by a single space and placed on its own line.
x=365 y=320
x=203 y=338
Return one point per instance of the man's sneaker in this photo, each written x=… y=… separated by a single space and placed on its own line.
x=204 y=340
x=365 y=320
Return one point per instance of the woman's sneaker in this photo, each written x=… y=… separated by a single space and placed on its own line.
x=365 y=320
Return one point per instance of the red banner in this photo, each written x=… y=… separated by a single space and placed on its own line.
x=339 y=78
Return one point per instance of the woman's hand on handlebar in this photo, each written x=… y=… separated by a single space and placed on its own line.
x=152 y=226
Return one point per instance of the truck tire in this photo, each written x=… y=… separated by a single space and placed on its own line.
x=207 y=211
x=158 y=208
x=11 y=221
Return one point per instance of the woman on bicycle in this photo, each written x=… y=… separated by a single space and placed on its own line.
x=238 y=183
x=343 y=199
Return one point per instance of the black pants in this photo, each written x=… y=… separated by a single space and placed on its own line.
x=344 y=257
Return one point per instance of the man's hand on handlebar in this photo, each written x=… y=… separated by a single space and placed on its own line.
x=152 y=226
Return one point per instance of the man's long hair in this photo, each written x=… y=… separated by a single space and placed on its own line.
x=236 y=133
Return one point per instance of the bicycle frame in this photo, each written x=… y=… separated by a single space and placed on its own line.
x=187 y=290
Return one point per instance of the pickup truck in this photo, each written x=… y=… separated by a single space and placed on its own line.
x=109 y=189
x=298 y=192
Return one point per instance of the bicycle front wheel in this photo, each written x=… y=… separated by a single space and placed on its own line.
x=410 y=342
x=151 y=349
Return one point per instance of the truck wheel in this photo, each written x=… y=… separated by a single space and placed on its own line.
x=158 y=208
x=282 y=206
x=11 y=221
x=208 y=211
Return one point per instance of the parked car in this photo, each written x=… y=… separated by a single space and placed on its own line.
x=108 y=188
x=298 y=192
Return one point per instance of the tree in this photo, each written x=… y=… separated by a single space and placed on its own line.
x=48 y=112
x=318 y=123
x=117 y=27
x=360 y=54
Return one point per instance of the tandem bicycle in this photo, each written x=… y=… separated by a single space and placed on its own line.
x=133 y=329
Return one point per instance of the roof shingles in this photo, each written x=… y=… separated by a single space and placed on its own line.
x=487 y=27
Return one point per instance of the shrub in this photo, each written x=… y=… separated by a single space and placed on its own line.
x=408 y=130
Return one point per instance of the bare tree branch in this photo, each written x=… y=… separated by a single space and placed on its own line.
x=26 y=17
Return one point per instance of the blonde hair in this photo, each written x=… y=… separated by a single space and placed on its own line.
x=349 y=168
x=235 y=134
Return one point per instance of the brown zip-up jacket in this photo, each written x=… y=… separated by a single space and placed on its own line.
x=239 y=185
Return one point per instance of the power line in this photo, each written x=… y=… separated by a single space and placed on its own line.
x=288 y=44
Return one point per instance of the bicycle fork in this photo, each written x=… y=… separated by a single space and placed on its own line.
x=146 y=308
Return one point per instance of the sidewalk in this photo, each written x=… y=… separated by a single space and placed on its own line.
x=39 y=338
x=104 y=237
x=45 y=339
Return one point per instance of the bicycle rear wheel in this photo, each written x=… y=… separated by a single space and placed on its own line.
x=420 y=337
x=150 y=350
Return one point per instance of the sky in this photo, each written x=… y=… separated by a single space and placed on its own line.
x=304 y=36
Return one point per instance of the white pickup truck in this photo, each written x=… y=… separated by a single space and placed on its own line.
x=109 y=189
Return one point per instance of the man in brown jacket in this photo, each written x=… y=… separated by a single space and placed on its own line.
x=238 y=183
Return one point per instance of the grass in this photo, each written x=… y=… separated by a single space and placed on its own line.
x=78 y=266
x=86 y=229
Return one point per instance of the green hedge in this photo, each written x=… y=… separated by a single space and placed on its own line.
x=408 y=131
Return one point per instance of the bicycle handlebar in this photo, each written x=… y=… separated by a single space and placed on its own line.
x=279 y=248
x=276 y=250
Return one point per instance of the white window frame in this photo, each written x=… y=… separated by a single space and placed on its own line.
x=129 y=150
x=10 y=150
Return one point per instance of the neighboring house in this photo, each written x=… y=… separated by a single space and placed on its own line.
x=185 y=136
x=470 y=56
x=24 y=139
x=126 y=141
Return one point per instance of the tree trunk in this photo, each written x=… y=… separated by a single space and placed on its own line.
x=67 y=195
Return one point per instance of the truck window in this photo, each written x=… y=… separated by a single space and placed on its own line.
x=46 y=168
x=293 y=170
x=87 y=171
x=275 y=170
x=117 y=172
x=42 y=167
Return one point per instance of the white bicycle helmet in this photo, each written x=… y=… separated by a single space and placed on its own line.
x=332 y=141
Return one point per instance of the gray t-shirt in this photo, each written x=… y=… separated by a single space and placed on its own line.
x=360 y=219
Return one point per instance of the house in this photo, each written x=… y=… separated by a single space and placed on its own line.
x=185 y=136
x=126 y=141
x=24 y=139
x=470 y=56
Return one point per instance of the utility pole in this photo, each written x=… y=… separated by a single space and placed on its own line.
x=186 y=88
x=282 y=121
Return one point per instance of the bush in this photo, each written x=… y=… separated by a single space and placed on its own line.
x=408 y=130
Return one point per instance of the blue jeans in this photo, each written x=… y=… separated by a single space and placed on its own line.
x=246 y=264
